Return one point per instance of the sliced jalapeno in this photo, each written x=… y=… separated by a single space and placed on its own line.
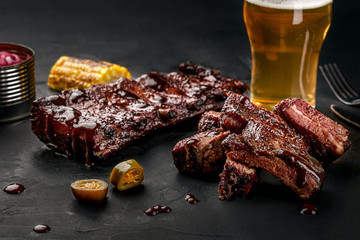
x=126 y=175
x=92 y=190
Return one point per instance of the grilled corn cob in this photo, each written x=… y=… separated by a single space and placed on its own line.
x=70 y=72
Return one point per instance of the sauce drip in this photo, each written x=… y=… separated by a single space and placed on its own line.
x=308 y=209
x=213 y=133
x=157 y=209
x=14 y=188
x=41 y=228
x=191 y=199
x=156 y=82
x=127 y=95
x=192 y=142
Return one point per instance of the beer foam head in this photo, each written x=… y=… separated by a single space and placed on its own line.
x=291 y=4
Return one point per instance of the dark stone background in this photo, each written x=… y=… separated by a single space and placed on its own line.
x=156 y=35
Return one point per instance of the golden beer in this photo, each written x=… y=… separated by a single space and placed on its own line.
x=285 y=37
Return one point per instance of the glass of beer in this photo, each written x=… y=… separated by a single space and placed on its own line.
x=285 y=37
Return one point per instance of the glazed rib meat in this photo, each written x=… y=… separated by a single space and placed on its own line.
x=238 y=110
x=201 y=154
x=236 y=179
x=261 y=139
x=96 y=122
x=266 y=141
x=327 y=139
x=209 y=120
x=260 y=147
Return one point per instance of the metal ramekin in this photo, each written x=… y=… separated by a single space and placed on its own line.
x=17 y=84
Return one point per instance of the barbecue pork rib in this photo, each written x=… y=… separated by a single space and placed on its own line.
x=96 y=122
x=259 y=146
x=202 y=154
x=266 y=141
x=209 y=120
x=238 y=110
x=236 y=179
x=261 y=139
x=327 y=139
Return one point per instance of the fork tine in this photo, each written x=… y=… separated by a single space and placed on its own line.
x=346 y=83
x=339 y=85
x=330 y=80
x=339 y=82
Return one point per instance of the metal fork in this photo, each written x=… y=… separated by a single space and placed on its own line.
x=339 y=85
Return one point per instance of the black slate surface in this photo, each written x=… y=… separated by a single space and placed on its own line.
x=157 y=35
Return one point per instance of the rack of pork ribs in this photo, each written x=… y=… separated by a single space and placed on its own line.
x=244 y=138
x=96 y=122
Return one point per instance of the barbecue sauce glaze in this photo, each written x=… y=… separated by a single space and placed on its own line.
x=191 y=199
x=157 y=209
x=308 y=209
x=41 y=228
x=14 y=188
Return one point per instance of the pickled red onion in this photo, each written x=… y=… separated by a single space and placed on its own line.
x=7 y=58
